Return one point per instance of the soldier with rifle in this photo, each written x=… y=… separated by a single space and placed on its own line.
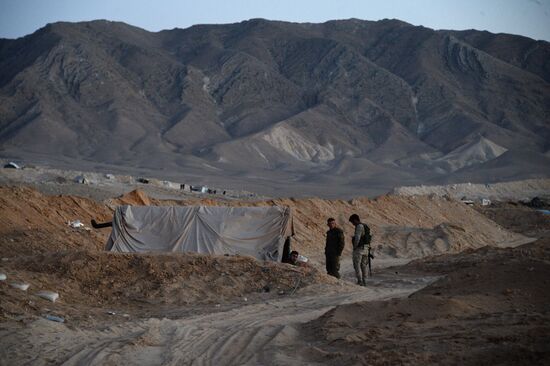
x=361 y=249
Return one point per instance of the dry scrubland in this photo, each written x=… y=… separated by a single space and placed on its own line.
x=488 y=303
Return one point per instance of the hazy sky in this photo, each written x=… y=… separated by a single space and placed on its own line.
x=526 y=17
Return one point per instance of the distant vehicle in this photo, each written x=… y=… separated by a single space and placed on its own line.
x=12 y=165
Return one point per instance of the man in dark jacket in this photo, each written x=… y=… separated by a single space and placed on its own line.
x=333 y=248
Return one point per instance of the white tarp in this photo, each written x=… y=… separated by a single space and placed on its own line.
x=256 y=231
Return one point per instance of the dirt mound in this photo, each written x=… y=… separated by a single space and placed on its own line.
x=134 y=198
x=35 y=223
x=93 y=279
x=470 y=258
x=494 y=313
x=402 y=226
x=518 y=218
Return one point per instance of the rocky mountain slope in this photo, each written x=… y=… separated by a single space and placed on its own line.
x=345 y=106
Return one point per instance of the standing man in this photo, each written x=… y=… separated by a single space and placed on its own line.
x=361 y=243
x=333 y=248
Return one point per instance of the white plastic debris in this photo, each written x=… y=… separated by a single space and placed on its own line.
x=20 y=285
x=302 y=258
x=54 y=318
x=110 y=312
x=3 y=276
x=75 y=224
x=48 y=295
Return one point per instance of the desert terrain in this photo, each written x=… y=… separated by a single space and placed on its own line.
x=453 y=283
x=437 y=138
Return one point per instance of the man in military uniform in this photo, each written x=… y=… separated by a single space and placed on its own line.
x=333 y=248
x=361 y=243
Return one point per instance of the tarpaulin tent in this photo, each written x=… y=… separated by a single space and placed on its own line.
x=260 y=232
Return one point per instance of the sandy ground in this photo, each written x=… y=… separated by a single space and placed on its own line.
x=248 y=334
x=476 y=291
x=489 y=308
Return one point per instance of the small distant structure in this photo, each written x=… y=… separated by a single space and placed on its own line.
x=169 y=184
x=80 y=179
x=12 y=165
x=109 y=176
x=143 y=180
x=85 y=179
x=200 y=189
x=466 y=201
x=485 y=202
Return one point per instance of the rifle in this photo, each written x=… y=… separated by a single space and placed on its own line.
x=97 y=225
x=370 y=256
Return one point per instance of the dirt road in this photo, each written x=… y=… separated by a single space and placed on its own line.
x=260 y=333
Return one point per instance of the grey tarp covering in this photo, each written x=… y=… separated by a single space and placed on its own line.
x=256 y=231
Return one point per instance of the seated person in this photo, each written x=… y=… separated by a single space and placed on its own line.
x=297 y=259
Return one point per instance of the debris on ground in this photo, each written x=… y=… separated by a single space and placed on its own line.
x=54 y=318
x=48 y=295
x=20 y=285
x=75 y=224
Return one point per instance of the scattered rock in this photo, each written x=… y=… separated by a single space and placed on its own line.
x=20 y=285
x=48 y=295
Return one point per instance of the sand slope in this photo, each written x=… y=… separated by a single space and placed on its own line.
x=402 y=226
x=491 y=308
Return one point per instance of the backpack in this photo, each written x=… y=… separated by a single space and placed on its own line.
x=367 y=237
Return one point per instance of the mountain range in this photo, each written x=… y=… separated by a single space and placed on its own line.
x=342 y=108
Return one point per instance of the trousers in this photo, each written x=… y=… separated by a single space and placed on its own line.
x=333 y=265
x=360 y=261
